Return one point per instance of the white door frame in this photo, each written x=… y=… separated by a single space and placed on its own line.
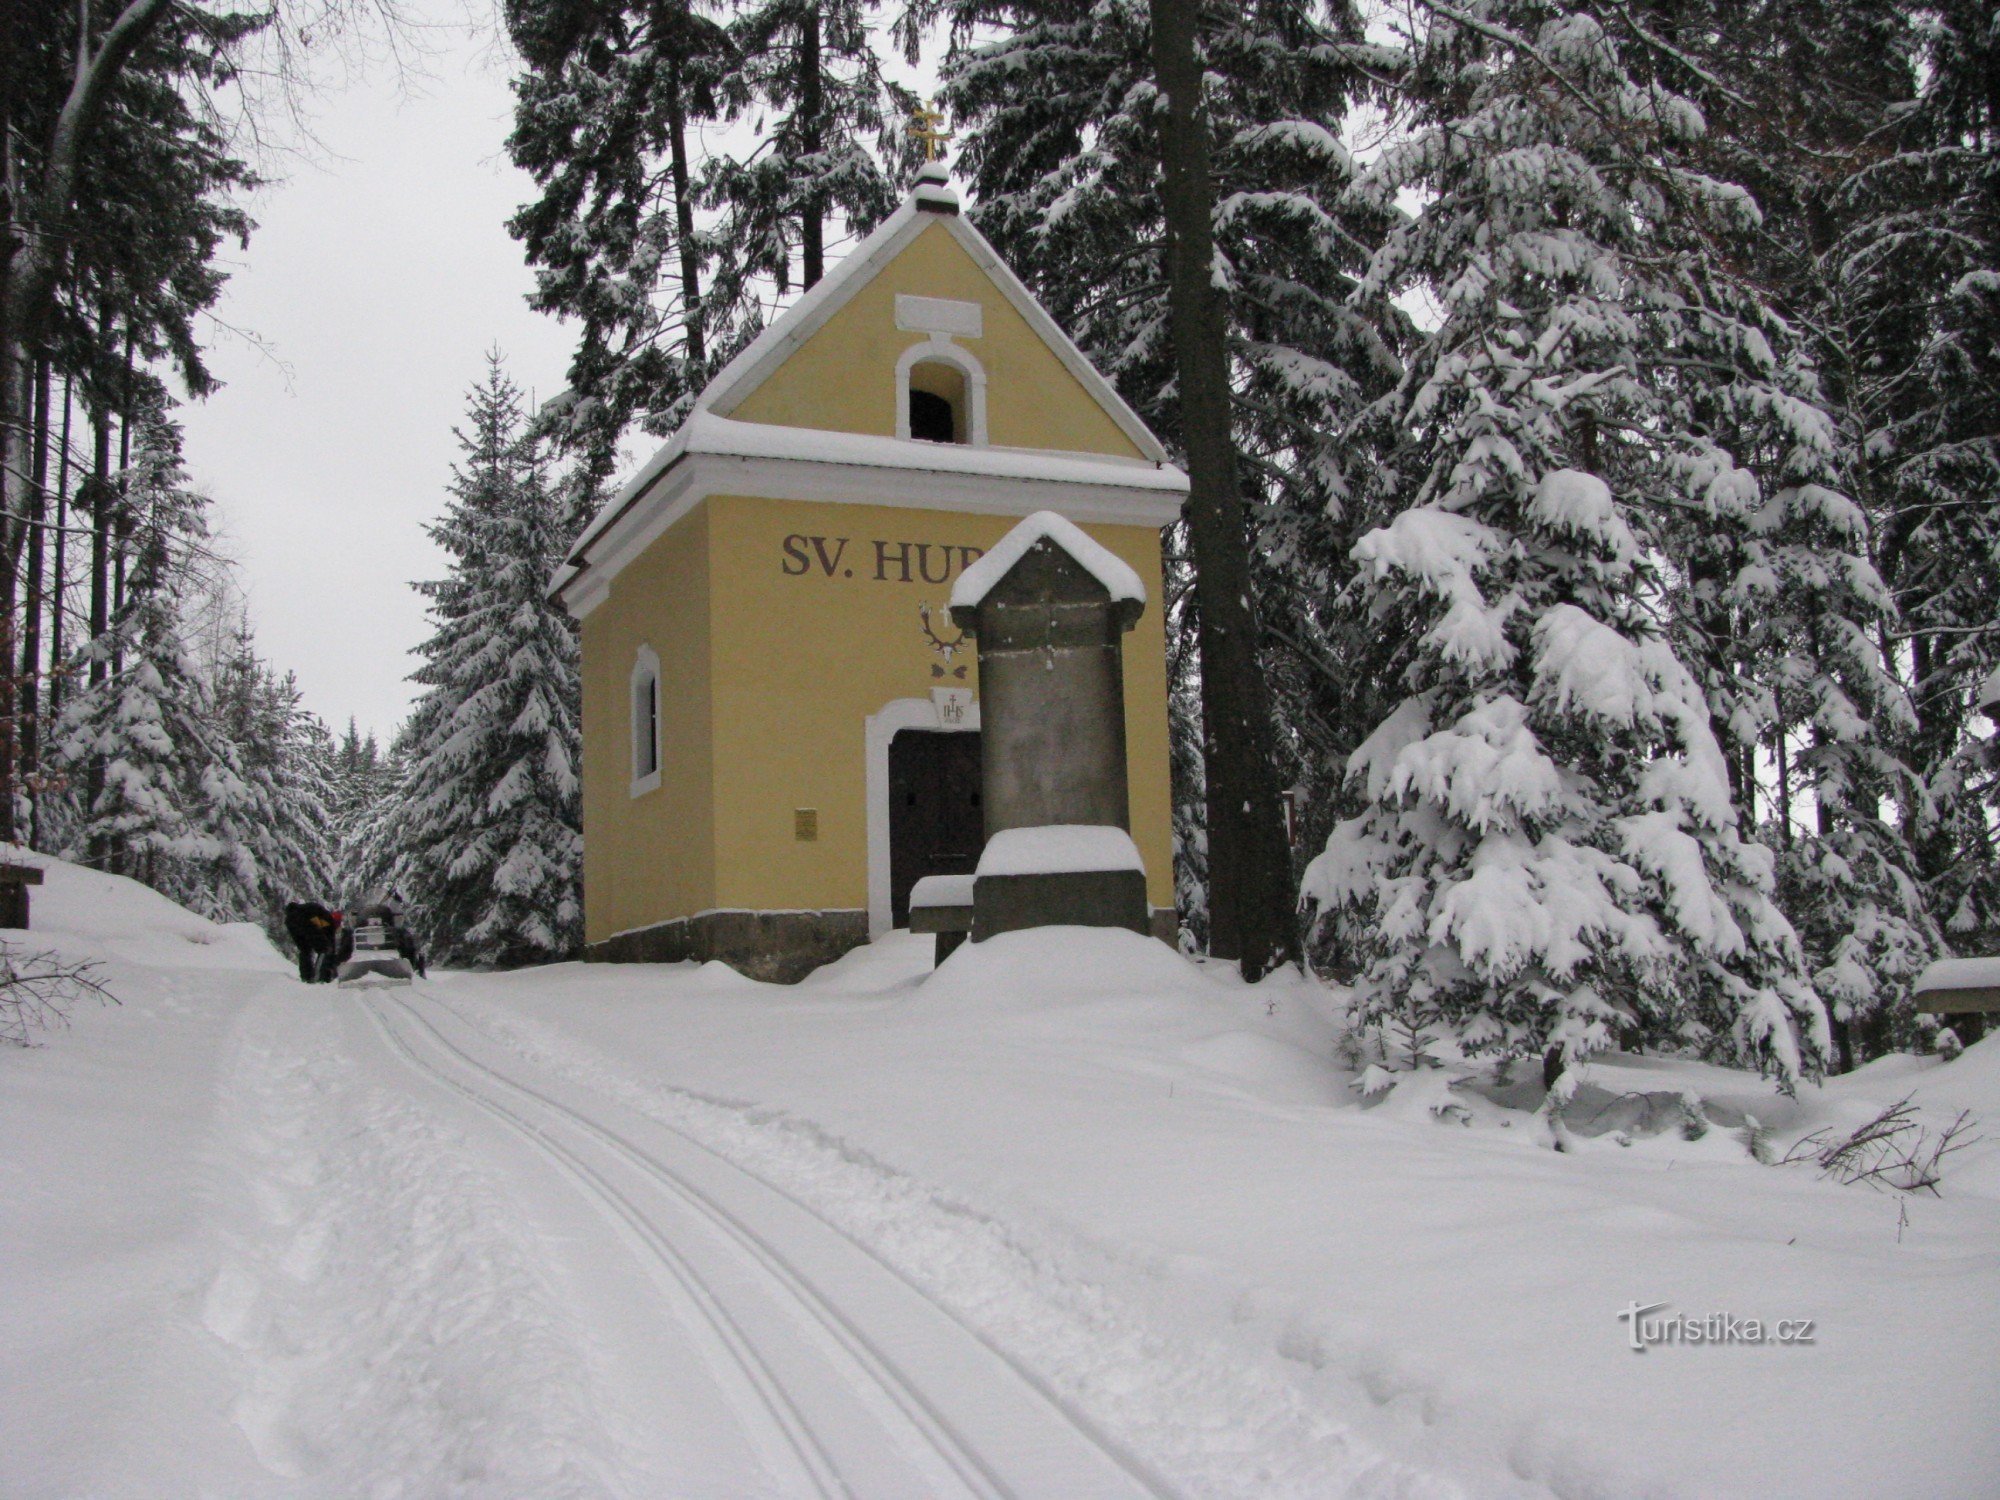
x=879 y=728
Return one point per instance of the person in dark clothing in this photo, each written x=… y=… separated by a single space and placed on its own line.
x=315 y=931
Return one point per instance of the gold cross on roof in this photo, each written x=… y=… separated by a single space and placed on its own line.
x=924 y=126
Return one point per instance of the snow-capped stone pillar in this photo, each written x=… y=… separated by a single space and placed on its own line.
x=1049 y=608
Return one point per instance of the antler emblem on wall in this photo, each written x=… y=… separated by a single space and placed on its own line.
x=947 y=650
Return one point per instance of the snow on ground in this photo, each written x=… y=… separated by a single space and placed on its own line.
x=264 y=1239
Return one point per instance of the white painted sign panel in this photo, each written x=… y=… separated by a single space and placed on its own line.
x=939 y=315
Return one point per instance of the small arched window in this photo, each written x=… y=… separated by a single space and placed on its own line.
x=645 y=721
x=941 y=396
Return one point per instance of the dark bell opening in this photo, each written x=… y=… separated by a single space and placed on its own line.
x=931 y=418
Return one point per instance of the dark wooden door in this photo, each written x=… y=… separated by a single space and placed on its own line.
x=936 y=824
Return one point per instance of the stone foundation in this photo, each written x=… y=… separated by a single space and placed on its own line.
x=779 y=947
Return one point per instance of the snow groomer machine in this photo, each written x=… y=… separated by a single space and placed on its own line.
x=376 y=949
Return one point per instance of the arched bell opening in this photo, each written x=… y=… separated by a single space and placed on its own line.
x=941 y=395
x=938 y=407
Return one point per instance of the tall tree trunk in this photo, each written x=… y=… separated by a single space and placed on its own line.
x=121 y=521
x=59 y=584
x=684 y=218
x=101 y=497
x=31 y=628
x=20 y=482
x=1782 y=754
x=812 y=247
x=1249 y=865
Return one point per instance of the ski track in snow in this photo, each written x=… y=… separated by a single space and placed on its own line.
x=968 y=1433
x=390 y=1336
x=1218 y=1425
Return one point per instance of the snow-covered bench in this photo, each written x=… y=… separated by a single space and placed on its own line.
x=1967 y=989
x=942 y=904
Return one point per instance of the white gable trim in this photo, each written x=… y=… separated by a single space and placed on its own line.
x=771 y=348
x=940 y=315
x=585 y=583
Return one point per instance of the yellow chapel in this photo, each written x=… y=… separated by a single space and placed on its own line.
x=780 y=722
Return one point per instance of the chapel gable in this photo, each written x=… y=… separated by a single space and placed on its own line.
x=924 y=335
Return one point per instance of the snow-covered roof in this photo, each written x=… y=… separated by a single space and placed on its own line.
x=705 y=432
x=1960 y=974
x=1060 y=849
x=977 y=581
x=1152 y=492
x=710 y=430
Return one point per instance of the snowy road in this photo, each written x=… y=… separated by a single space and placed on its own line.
x=1065 y=1219
x=844 y=1378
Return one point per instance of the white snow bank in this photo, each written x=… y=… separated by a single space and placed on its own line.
x=1960 y=974
x=88 y=914
x=1160 y=1157
x=977 y=581
x=250 y=1252
x=1054 y=966
x=1060 y=849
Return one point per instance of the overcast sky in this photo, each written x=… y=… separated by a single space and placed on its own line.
x=377 y=280
x=379 y=275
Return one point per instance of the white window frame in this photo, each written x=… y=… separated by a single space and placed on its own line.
x=939 y=349
x=645 y=670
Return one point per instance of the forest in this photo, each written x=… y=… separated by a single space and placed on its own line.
x=1593 y=408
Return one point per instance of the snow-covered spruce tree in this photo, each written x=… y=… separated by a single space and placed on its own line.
x=137 y=744
x=1059 y=134
x=357 y=776
x=281 y=810
x=832 y=142
x=1550 y=859
x=1915 y=278
x=142 y=729
x=487 y=807
x=371 y=796
x=605 y=121
x=1779 y=604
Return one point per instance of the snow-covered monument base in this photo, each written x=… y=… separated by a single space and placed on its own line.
x=1049 y=609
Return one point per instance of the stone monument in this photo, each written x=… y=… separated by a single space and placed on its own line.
x=1049 y=608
